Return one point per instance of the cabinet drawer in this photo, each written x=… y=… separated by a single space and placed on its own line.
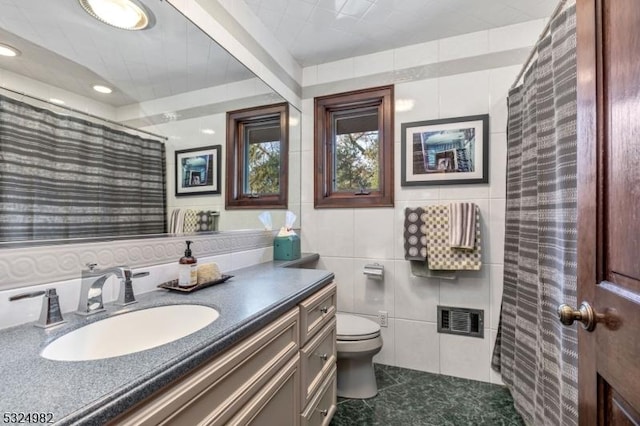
x=323 y=406
x=316 y=311
x=277 y=403
x=316 y=360
x=217 y=390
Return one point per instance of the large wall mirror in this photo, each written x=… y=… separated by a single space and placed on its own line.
x=170 y=79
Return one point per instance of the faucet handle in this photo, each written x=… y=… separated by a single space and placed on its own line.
x=50 y=314
x=126 y=296
x=91 y=266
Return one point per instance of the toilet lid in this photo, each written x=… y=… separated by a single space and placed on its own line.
x=352 y=327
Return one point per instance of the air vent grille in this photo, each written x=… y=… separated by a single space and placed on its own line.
x=461 y=321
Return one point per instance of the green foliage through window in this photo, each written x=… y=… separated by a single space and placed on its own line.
x=357 y=162
x=264 y=168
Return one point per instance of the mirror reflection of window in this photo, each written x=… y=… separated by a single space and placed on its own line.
x=262 y=157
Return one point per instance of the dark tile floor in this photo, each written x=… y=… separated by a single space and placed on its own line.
x=411 y=398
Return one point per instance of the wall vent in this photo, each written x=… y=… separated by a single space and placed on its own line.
x=461 y=321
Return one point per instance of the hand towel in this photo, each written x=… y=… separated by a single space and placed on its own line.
x=190 y=221
x=415 y=240
x=176 y=223
x=421 y=269
x=440 y=255
x=462 y=225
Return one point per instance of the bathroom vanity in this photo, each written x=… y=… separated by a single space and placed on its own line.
x=268 y=359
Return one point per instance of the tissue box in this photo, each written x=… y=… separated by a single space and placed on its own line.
x=286 y=248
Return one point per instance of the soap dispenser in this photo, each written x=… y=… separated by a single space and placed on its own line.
x=188 y=268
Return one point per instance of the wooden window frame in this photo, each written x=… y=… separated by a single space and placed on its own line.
x=324 y=196
x=235 y=161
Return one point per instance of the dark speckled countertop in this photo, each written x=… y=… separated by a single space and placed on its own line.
x=92 y=392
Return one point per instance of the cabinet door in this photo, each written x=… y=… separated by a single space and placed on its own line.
x=317 y=358
x=323 y=406
x=218 y=389
x=278 y=403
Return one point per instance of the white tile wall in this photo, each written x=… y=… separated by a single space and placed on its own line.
x=417 y=345
x=465 y=45
x=468 y=357
x=415 y=55
x=348 y=238
x=371 y=295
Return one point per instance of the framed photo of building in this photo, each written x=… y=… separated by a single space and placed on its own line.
x=198 y=171
x=445 y=151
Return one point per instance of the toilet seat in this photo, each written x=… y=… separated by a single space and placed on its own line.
x=355 y=328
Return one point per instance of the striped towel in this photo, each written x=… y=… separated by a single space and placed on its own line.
x=176 y=223
x=462 y=225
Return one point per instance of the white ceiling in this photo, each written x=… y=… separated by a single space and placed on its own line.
x=318 y=31
x=65 y=47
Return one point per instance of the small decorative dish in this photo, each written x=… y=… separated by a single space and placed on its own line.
x=173 y=285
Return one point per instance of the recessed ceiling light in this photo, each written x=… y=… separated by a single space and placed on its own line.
x=124 y=14
x=208 y=131
x=102 y=89
x=56 y=101
x=6 y=50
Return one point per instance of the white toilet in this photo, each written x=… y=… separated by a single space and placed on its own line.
x=358 y=340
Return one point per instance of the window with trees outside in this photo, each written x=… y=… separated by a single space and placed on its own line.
x=257 y=151
x=354 y=149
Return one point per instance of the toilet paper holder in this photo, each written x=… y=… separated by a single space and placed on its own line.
x=374 y=270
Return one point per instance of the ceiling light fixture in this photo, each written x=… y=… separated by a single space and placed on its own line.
x=208 y=131
x=6 y=50
x=102 y=89
x=56 y=101
x=124 y=14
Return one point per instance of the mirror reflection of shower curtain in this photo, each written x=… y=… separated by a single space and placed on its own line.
x=535 y=354
x=66 y=177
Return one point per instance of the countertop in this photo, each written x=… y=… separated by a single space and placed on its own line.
x=92 y=392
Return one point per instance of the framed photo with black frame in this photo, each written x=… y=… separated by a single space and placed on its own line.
x=446 y=151
x=198 y=171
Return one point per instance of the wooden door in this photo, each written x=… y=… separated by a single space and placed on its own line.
x=609 y=209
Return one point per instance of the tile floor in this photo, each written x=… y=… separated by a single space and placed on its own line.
x=411 y=398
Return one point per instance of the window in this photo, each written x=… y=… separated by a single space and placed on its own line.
x=257 y=151
x=354 y=149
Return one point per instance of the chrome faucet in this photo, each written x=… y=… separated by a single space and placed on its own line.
x=93 y=280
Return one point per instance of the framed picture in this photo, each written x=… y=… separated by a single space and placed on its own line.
x=198 y=171
x=445 y=151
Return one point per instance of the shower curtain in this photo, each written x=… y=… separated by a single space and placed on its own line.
x=65 y=177
x=536 y=355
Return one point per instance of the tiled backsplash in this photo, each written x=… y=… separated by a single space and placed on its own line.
x=230 y=251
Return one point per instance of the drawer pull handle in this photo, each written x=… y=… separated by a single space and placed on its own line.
x=324 y=357
x=324 y=412
x=324 y=309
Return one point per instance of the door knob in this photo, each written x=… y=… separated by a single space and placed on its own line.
x=585 y=314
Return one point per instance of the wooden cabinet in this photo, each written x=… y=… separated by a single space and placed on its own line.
x=271 y=377
x=318 y=357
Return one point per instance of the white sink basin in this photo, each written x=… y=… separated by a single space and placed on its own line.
x=130 y=332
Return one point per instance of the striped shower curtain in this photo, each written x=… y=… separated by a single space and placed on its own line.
x=536 y=355
x=64 y=177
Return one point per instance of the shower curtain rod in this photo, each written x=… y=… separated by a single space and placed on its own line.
x=164 y=138
x=555 y=13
